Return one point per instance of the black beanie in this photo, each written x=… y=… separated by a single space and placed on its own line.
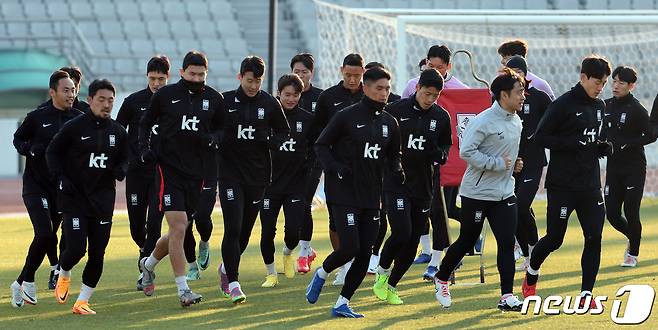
x=518 y=62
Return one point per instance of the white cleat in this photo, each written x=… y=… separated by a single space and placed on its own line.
x=629 y=261
x=29 y=293
x=374 y=263
x=16 y=299
x=518 y=253
x=442 y=293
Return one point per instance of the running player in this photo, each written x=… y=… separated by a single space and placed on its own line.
x=141 y=192
x=39 y=191
x=253 y=123
x=629 y=131
x=520 y=47
x=188 y=114
x=573 y=130
x=87 y=155
x=357 y=145
x=426 y=139
x=290 y=169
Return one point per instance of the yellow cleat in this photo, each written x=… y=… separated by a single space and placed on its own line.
x=62 y=289
x=82 y=308
x=270 y=281
x=289 y=266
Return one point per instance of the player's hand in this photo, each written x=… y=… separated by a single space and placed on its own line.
x=65 y=185
x=508 y=161
x=518 y=165
x=37 y=150
x=119 y=173
x=147 y=156
x=604 y=148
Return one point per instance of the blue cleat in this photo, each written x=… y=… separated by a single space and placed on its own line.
x=422 y=258
x=314 y=288
x=345 y=311
x=430 y=272
x=478 y=245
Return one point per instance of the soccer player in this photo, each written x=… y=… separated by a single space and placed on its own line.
x=141 y=192
x=355 y=148
x=520 y=47
x=347 y=92
x=489 y=146
x=87 y=155
x=253 y=123
x=533 y=157
x=188 y=114
x=303 y=65
x=573 y=130
x=76 y=75
x=438 y=57
x=290 y=170
x=426 y=138
x=629 y=131
x=39 y=190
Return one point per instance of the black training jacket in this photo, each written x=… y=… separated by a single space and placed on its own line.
x=332 y=100
x=250 y=127
x=534 y=107
x=354 y=149
x=569 y=129
x=186 y=121
x=89 y=151
x=426 y=137
x=37 y=130
x=629 y=131
x=309 y=99
x=130 y=114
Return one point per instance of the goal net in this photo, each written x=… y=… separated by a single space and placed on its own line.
x=558 y=40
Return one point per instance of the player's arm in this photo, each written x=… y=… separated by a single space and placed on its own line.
x=642 y=127
x=148 y=120
x=23 y=136
x=320 y=118
x=122 y=160
x=394 y=154
x=329 y=136
x=57 y=149
x=474 y=135
x=444 y=141
x=547 y=134
x=279 y=125
x=216 y=132
x=125 y=113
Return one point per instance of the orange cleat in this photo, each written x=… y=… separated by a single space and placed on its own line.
x=62 y=289
x=82 y=308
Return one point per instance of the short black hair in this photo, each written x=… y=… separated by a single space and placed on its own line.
x=595 y=66
x=306 y=59
x=625 y=74
x=353 y=60
x=431 y=78
x=253 y=64
x=290 y=79
x=513 y=47
x=158 y=63
x=505 y=82
x=195 y=57
x=375 y=74
x=74 y=73
x=99 y=84
x=422 y=62
x=56 y=77
x=371 y=65
x=442 y=52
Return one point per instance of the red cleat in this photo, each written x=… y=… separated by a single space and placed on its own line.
x=528 y=290
x=312 y=257
x=303 y=265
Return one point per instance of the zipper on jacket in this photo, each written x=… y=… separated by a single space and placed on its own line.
x=480 y=178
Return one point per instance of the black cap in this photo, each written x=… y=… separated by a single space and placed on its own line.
x=518 y=62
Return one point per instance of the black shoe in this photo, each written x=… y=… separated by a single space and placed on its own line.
x=52 y=280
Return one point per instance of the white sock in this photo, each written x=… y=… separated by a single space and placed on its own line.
x=286 y=251
x=233 y=285
x=181 y=284
x=28 y=284
x=322 y=273
x=65 y=273
x=304 y=248
x=271 y=269
x=425 y=244
x=85 y=293
x=585 y=293
x=383 y=271
x=532 y=271
x=193 y=265
x=203 y=244
x=341 y=301
x=222 y=269
x=54 y=267
x=505 y=296
x=436 y=258
x=150 y=263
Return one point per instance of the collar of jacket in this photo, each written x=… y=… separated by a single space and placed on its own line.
x=99 y=122
x=579 y=92
x=348 y=91
x=373 y=106
x=499 y=111
x=623 y=100
x=417 y=107
x=243 y=97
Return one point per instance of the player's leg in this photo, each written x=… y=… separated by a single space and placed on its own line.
x=75 y=230
x=293 y=210
x=440 y=240
x=155 y=216
x=614 y=193
x=502 y=218
x=591 y=214
x=632 y=204
x=405 y=258
x=253 y=199
x=306 y=252
x=527 y=186
x=53 y=249
x=269 y=213
x=232 y=199
x=99 y=237
x=189 y=247
x=137 y=200
x=203 y=221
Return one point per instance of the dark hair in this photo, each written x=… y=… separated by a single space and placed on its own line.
x=442 y=52
x=306 y=59
x=513 y=47
x=595 y=66
x=505 y=82
x=74 y=73
x=290 y=79
x=625 y=74
x=158 y=63
x=375 y=74
x=371 y=65
x=56 y=77
x=353 y=60
x=253 y=64
x=421 y=63
x=431 y=78
x=194 y=57
x=99 y=84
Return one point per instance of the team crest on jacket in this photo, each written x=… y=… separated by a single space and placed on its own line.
x=623 y=118
x=206 y=105
x=261 y=113
x=299 y=127
x=113 y=140
x=313 y=106
x=526 y=109
x=598 y=114
x=433 y=125
x=385 y=131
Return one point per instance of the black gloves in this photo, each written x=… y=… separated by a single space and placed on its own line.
x=147 y=156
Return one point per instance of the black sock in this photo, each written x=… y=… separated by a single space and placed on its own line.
x=531 y=279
